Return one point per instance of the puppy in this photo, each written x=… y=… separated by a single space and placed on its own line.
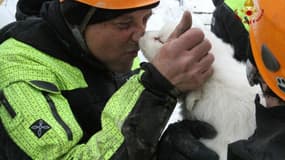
x=226 y=100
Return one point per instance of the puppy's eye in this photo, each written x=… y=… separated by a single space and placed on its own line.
x=158 y=39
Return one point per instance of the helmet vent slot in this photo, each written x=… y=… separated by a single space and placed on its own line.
x=269 y=60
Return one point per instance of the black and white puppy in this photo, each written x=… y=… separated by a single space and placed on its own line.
x=226 y=100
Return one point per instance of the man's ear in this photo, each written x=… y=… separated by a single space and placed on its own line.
x=184 y=24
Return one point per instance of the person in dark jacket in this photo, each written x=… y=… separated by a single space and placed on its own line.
x=230 y=22
x=266 y=68
x=67 y=90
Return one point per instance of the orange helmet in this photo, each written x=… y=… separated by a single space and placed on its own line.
x=118 y=4
x=267 y=37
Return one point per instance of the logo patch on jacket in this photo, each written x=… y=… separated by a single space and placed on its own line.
x=40 y=127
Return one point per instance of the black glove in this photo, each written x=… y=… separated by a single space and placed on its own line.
x=180 y=141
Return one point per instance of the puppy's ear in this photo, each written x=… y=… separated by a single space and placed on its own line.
x=150 y=44
x=184 y=24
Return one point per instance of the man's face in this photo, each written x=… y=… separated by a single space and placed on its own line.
x=115 y=42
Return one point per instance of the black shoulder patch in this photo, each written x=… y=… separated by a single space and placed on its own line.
x=40 y=127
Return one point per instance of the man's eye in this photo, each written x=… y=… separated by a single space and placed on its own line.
x=146 y=19
x=123 y=25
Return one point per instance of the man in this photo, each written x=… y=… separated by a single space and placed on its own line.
x=268 y=140
x=67 y=89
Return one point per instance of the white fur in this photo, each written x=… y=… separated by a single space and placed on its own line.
x=226 y=100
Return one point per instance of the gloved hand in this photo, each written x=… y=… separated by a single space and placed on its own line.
x=180 y=141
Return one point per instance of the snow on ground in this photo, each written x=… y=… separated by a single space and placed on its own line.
x=171 y=10
x=7 y=11
x=202 y=9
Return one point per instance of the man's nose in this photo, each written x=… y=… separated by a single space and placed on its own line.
x=138 y=32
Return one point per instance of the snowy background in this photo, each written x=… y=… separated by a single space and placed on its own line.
x=171 y=10
x=200 y=8
x=7 y=11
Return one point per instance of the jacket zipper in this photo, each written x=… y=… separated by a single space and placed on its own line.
x=6 y=104
x=57 y=117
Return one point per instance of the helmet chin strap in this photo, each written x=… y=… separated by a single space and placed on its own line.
x=254 y=78
x=268 y=93
x=252 y=74
x=86 y=19
x=78 y=30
